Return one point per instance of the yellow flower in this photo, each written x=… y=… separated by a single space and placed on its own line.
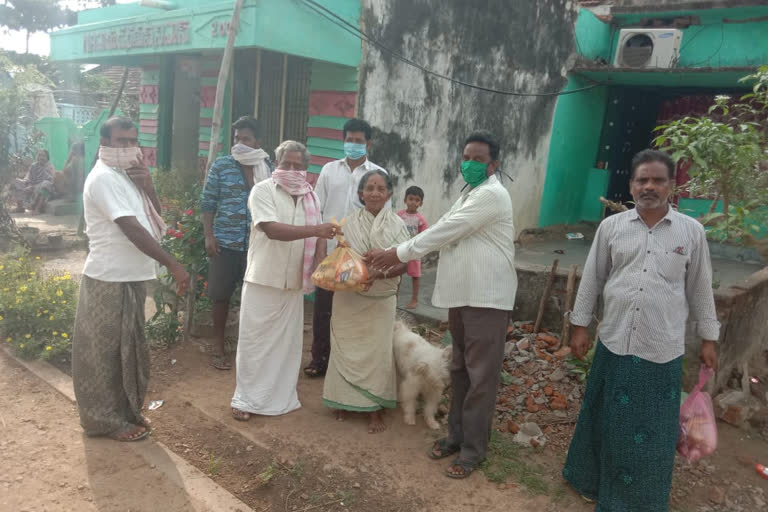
x=37 y=258
x=27 y=336
x=1 y=318
x=50 y=317
x=38 y=315
x=32 y=273
x=45 y=311
x=2 y=267
x=63 y=302
x=67 y=277
x=59 y=293
x=18 y=300
x=55 y=333
x=53 y=302
x=21 y=345
x=48 y=348
x=64 y=335
x=23 y=288
x=8 y=339
x=5 y=289
x=21 y=259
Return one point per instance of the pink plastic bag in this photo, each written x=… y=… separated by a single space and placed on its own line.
x=698 y=430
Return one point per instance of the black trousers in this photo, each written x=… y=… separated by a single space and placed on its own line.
x=321 y=329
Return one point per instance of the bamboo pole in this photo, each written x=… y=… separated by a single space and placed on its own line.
x=545 y=297
x=221 y=84
x=569 y=292
x=213 y=147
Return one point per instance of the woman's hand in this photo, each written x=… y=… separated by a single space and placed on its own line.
x=328 y=230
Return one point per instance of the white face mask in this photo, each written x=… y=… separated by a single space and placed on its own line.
x=247 y=155
x=120 y=158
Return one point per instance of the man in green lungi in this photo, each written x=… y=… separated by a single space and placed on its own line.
x=110 y=357
x=652 y=267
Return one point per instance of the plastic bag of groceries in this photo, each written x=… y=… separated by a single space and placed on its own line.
x=342 y=270
x=698 y=430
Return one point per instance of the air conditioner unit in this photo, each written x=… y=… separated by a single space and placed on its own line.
x=640 y=48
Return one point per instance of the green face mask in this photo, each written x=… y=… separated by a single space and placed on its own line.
x=474 y=173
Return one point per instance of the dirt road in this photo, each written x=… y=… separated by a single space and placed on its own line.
x=48 y=465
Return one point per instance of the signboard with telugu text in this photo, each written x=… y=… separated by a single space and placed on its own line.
x=137 y=36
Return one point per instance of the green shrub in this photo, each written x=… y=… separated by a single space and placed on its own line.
x=37 y=309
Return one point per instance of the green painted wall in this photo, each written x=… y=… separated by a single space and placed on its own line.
x=596 y=186
x=593 y=37
x=572 y=152
x=279 y=25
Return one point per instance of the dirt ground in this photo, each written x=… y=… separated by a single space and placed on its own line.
x=48 y=465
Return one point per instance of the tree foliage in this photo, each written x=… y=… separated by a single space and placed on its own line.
x=728 y=152
x=35 y=16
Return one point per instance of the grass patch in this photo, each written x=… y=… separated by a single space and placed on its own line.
x=508 y=459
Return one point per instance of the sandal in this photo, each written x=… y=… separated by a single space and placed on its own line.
x=313 y=372
x=220 y=362
x=446 y=449
x=129 y=434
x=240 y=415
x=466 y=467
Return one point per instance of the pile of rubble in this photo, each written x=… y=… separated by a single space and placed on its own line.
x=540 y=392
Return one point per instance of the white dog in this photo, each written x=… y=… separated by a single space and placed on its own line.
x=422 y=369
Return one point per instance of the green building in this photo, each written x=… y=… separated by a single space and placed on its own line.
x=293 y=69
x=657 y=62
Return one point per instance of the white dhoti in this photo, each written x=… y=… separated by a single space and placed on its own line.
x=269 y=350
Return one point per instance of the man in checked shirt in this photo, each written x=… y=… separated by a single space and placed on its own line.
x=652 y=267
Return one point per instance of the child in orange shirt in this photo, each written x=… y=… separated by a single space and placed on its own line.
x=416 y=223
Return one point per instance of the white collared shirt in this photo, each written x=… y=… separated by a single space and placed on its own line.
x=476 y=240
x=273 y=262
x=109 y=194
x=649 y=278
x=336 y=189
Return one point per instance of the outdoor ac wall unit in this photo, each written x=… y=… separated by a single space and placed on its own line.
x=641 y=48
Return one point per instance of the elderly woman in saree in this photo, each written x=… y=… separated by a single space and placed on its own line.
x=33 y=190
x=285 y=233
x=361 y=374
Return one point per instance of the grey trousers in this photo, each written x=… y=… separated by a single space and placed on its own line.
x=478 y=335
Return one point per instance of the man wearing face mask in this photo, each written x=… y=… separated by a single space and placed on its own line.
x=337 y=190
x=226 y=222
x=110 y=358
x=476 y=281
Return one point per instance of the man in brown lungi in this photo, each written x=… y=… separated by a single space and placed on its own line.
x=476 y=281
x=110 y=358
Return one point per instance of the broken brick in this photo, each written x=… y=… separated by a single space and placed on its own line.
x=513 y=427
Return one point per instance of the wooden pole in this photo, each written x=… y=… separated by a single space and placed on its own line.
x=545 y=297
x=221 y=84
x=569 y=291
x=213 y=147
x=282 y=98
x=112 y=110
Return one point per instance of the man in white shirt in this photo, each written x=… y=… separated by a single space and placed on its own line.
x=110 y=358
x=477 y=282
x=337 y=190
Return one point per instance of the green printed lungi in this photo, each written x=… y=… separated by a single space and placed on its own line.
x=623 y=449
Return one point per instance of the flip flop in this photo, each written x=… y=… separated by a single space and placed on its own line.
x=466 y=466
x=220 y=362
x=138 y=436
x=446 y=449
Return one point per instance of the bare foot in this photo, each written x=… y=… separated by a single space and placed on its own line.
x=240 y=415
x=376 y=423
x=340 y=415
x=412 y=305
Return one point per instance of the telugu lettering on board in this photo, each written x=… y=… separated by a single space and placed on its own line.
x=152 y=36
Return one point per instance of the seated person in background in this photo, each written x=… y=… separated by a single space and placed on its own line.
x=33 y=191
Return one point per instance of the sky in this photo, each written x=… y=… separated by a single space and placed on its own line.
x=39 y=42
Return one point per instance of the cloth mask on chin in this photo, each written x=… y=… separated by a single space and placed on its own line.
x=120 y=158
